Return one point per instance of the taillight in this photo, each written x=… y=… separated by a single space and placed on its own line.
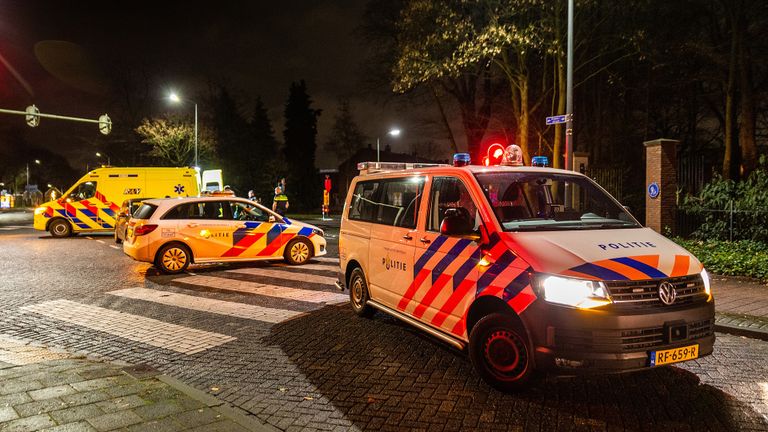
x=143 y=229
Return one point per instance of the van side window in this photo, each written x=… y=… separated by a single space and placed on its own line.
x=362 y=206
x=450 y=193
x=83 y=191
x=399 y=202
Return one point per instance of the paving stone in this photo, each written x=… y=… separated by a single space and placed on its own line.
x=158 y=410
x=76 y=413
x=121 y=403
x=7 y=413
x=39 y=407
x=19 y=385
x=197 y=417
x=25 y=424
x=72 y=427
x=220 y=426
x=163 y=425
x=115 y=420
x=52 y=392
x=14 y=399
x=85 y=397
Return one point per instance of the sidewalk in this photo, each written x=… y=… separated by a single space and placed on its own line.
x=53 y=391
x=741 y=306
x=16 y=216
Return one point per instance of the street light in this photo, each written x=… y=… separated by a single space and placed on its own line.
x=173 y=97
x=109 y=162
x=37 y=161
x=394 y=132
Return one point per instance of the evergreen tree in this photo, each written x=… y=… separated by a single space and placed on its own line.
x=300 y=135
x=265 y=161
x=346 y=137
x=234 y=142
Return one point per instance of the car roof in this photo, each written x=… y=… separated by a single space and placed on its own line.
x=173 y=201
x=473 y=169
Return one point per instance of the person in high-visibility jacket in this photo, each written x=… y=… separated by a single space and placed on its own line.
x=280 y=203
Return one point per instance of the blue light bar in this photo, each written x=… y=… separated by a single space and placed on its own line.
x=461 y=159
x=539 y=161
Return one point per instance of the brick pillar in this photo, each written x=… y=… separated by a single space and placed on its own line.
x=661 y=168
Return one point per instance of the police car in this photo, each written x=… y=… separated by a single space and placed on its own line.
x=172 y=233
x=530 y=268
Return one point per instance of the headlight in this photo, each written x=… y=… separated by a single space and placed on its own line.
x=707 y=285
x=40 y=210
x=580 y=293
x=318 y=232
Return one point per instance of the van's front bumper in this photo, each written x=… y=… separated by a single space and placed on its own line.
x=573 y=341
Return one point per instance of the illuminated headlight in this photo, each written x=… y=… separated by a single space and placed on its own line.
x=40 y=210
x=318 y=232
x=580 y=293
x=707 y=285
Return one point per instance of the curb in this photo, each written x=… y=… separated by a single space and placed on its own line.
x=248 y=422
x=742 y=331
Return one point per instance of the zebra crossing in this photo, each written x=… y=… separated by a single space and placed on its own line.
x=229 y=286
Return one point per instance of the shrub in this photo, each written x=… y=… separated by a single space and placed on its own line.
x=737 y=258
x=750 y=207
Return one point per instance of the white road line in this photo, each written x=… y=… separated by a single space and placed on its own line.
x=89 y=237
x=239 y=310
x=326 y=267
x=326 y=259
x=285 y=275
x=310 y=296
x=101 y=241
x=14 y=227
x=137 y=328
x=115 y=247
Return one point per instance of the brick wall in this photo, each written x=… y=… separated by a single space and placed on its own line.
x=661 y=167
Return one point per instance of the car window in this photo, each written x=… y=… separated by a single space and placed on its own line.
x=398 y=202
x=145 y=211
x=248 y=212
x=83 y=191
x=450 y=193
x=209 y=210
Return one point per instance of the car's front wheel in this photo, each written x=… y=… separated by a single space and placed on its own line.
x=173 y=258
x=298 y=251
x=60 y=228
x=500 y=353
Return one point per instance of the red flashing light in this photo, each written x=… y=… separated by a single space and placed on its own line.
x=495 y=154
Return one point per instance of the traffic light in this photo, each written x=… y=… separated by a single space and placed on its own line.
x=495 y=154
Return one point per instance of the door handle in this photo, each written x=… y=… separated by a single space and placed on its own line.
x=425 y=240
x=192 y=225
x=408 y=237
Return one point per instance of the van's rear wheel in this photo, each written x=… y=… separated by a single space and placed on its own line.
x=500 y=353
x=173 y=258
x=298 y=251
x=117 y=239
x=358 y=294
x=60 y=228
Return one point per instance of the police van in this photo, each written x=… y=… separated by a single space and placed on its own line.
x=93 y=203
x=528 y=268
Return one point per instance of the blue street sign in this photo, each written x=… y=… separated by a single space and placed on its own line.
x=556 y=119
x=653 y=190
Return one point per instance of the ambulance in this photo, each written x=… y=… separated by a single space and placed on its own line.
x=91 y=205
x=528 y=268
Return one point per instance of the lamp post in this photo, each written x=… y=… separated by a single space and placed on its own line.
x=173 y=97
x=37 y=161
x=109 y=162
x=394 y=132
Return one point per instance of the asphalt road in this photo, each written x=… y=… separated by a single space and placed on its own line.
x=280 y=343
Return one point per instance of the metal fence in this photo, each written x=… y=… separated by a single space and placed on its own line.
x=724 y=224
x=611 y=179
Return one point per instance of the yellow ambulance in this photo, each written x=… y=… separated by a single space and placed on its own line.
x=92 y=204
x=528 y=268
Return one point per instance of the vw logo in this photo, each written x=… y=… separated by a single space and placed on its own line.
x=667 y=293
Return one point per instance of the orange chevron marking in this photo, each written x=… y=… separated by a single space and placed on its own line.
x=622 y=269
x=650 y=260
x=682 y=262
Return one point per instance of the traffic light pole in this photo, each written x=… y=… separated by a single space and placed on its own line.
x=33 y=118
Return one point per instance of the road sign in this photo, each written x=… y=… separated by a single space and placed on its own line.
x=559 y=119
x=105 y=124
x=653 y=190
x=33 y=116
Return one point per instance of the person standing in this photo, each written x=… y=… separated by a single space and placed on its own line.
x=280 y=203
x=252 y=195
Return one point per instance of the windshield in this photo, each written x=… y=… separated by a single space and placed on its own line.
x=536 y=202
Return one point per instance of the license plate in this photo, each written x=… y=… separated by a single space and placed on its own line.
x=674 y=355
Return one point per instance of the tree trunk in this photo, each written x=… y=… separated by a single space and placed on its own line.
x=729 y=111
x=524 y=117
x=444 y=118
x=746 y=100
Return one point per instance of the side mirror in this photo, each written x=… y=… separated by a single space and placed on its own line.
x=456 y=225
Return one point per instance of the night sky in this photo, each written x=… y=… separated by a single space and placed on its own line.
x=257 y=48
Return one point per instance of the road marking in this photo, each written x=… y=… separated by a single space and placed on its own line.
x=326 y=259
x=285 y=275
x=137 y=328
x=239 y=310
x=326 y=267
x=22 y=352
x=15 y=227
x=115 y=247
x=100 y=241
x=310 y=296
x=89 y=237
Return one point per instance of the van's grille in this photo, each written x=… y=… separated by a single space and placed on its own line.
x=629 y=340
x=645 y=293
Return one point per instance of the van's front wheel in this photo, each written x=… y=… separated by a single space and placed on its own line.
x=358 y=294
x=60 y=228
x=500 y=353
